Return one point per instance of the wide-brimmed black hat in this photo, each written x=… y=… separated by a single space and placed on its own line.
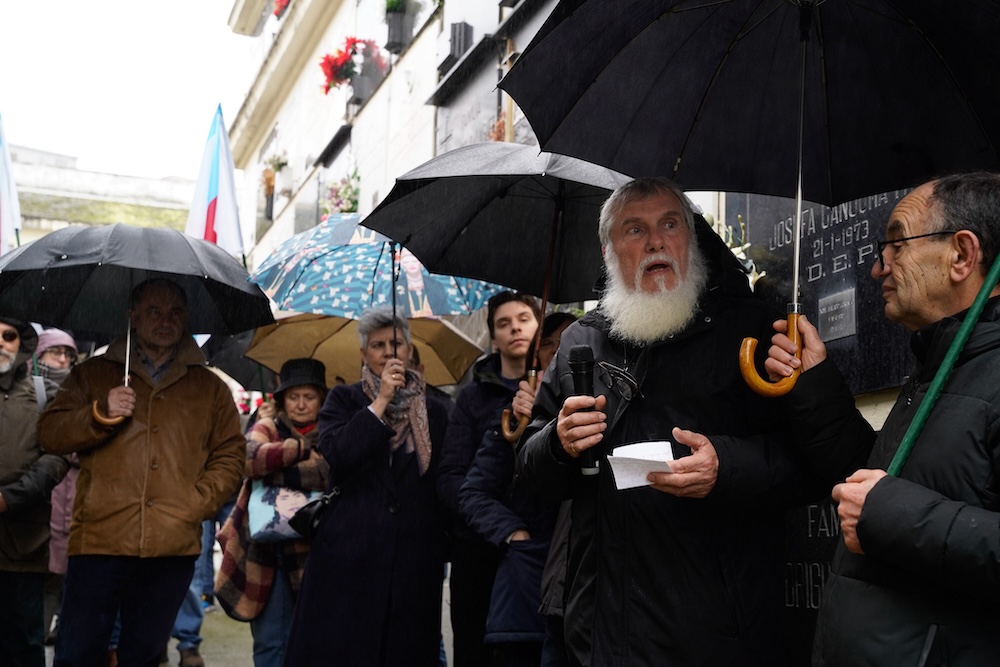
x=298 y=372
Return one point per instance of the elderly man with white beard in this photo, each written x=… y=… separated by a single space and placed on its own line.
x=687 y=570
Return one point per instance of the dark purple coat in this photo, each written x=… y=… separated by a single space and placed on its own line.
x=371 y=594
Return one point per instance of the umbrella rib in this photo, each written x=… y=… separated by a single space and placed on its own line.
x=745 y=29
x=459 y=230
x=544 y=192
x=301 y=271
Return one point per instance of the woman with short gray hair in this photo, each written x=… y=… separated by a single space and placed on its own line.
x=371 y=594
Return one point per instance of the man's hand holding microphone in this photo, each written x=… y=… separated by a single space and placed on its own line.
x=581 y=422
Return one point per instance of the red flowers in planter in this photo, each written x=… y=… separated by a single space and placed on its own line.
x=340 y=67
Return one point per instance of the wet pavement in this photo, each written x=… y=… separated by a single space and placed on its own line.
x=227 y=643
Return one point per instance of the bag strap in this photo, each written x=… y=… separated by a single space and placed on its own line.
x=40 y=396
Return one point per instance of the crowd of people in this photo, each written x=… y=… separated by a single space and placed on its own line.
x=105 y=485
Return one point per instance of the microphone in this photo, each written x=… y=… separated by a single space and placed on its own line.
x=581 y=366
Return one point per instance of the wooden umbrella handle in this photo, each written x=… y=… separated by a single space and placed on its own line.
x=749 y=369
x=101 y=419
x=513 y=435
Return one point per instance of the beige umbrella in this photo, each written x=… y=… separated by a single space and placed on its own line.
x=445 y=352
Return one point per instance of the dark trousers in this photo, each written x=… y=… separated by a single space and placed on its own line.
x=473 y=568
x=22 y=622
x=147 y=591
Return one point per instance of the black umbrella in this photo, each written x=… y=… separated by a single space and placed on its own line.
x=503 y=213
x=508 y=214
x=708 y=91
x=225 y=352
x=81 y=278
x=827 y=100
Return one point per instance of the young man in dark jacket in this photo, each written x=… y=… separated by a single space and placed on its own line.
x=512 y=320
x=687 y=570
x=916 y=580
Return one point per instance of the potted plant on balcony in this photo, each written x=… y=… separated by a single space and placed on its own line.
x=395 y=18
x=342 y=196
x=275 y=170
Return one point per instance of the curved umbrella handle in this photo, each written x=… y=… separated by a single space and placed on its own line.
x=749 y=370
x=513 y=435
x=101 y=419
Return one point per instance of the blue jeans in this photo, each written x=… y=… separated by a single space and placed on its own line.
x=187 y=625
x=270 y=630
x=147 y=592
x=22 y=619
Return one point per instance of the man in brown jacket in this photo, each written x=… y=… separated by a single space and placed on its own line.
x=145 y=484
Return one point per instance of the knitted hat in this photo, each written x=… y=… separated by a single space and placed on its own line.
x=54 y=338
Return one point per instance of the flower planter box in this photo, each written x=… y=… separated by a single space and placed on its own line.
x=399 y=35
x=362 y=86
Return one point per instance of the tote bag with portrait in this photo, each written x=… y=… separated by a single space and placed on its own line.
x=270 y=509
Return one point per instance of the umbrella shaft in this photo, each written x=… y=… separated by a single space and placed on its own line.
x=797 y=241
x=128 y=351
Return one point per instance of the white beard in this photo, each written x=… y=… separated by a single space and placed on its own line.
x=6 y=361
x=640 y=317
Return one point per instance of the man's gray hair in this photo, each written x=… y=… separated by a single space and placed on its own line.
x=969 y=201
x=380 y=318
x=640 y=188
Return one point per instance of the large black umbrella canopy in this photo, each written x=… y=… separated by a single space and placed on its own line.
x=707 y=91
x=491 y=211
x=81 y=278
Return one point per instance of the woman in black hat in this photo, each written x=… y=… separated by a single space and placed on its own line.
x=259 y=581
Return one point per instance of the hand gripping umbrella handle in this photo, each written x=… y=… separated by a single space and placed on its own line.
x=749 y=369
x=513 y=435
x=101 y=419
x=94 y=411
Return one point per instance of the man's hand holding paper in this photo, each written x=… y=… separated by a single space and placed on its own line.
x=691 y=476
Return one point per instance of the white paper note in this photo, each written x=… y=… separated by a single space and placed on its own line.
x=631 y=463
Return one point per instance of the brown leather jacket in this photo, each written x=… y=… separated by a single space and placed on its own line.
x=146 y=484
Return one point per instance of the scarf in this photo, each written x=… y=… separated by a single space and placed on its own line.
x=406 y=415
x=308 y=434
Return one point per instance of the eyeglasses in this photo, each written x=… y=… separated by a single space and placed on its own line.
x=619 y=379
x=9 y=335
x=66 y=352
x=881 y=245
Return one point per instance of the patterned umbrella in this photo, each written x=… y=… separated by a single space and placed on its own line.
x=339 y=268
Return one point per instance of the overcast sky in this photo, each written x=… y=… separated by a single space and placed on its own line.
x=126 y=86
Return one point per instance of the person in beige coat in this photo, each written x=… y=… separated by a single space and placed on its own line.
x=145 y=484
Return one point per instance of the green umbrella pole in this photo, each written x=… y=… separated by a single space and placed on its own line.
x=957 y=345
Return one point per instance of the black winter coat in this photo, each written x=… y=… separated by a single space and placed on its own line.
x=477 y=407
x=371 y=592
x=495 y=509
x=927 y=590
x=654 y=579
